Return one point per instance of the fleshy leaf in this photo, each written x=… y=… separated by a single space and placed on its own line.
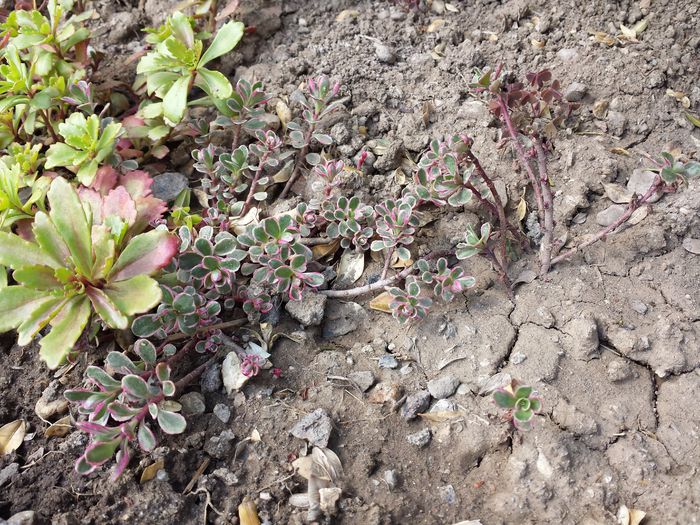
x=16 y=253
x=225 y=40
x=170 y=422
x=146 y=437
x=504 y=399
x=68 y=216
x=106 y=309
x=65 y=331
x=17 y=303
x=135 y=386
x=144 y=255
x=135 y=295
x=175 y=100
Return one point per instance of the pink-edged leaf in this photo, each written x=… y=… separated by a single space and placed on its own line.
x=66 y=329
x=68 y=216
x=137 y=183
x=38 y=319
x=144 y=255
x=147 y=439
x=105 y=180
x=119 y=203
x=123 y=458
x=136 y=295
x=92 y=203
x=135 y=386
x=148 y=208
x=83 y=467
x=49 y=239
x=106 y=309
x=17 y=303
x=100 y=452
x=97 y=429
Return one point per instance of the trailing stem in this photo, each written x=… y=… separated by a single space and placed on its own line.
x=254 y=183
x=522 y=157
x=300 y=160
x=631 y=207
x=548 y=200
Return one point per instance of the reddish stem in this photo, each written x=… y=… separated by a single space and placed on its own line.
x=522 y=157
x=387 y=262
x=548 y=200
x=631 y=207
x=254 y=183
x=300 y=160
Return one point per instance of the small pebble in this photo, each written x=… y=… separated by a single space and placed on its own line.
x=223 y=412
x=388 y=361
x=391 y=478
x=420 y=438
x=384 y=53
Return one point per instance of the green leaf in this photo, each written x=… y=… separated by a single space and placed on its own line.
x=38 y=319
x=17 y=253
x=503 y=399
x=100 y=452
x=37 y=277
x=144 y=255
x=145 y=350
x=17 y=303
x=86 y=173
x=225 y=40
x=106 y=309
x=66 y=329
x=135 y=295
x=60 y=154
x=68 y=216
x=523 y=392
x=146 y=437
x=135 y=386
x=175 y=100
x=213 y=83
x=170 y=422
x=49 y=239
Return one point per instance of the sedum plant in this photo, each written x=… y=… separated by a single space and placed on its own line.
x=73 y=268
x=177 y=63
x=521 y=402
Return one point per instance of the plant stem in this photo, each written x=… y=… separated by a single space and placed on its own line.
x=254 y=183
x=201 y=329
x=300 y=160
x=548 y=200
x=315 y=241
x=387 y=262
x=362 y=290
x=522 y=157
x=631 y=207
x=236 y=137
x=499 y=209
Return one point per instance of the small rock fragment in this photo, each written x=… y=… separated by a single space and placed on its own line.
x=691 y=245
x=192 y=404
x=420 y=438
x=619 y=370
x=384 y=53
x=610 y=214
x=385 y=393
x=617 y=123
x=575 y=92
x=640 y=182
x=415 y=403
x=328 y=499
x=231 y=373
x=223 y=412
x=443 y=387
x=167 y=186
x=220 y=446
x=584 y=332
x=309 y=311
x=211 y=379
x=444 y=405
x=567 y=55
x=51 y=403
x=517 y=357
x=342 y=318
x=638 y=306
x=392 y=157
x=364 y=379
x=26 y=517
x=8 y=472
x=391 y=478
x=315 y=428
x=448 y=494
x=388 y=361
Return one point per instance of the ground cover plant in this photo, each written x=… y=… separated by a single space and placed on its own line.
x=86 y=248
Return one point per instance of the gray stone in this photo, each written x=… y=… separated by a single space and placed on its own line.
x=192 y=404
x=26 y=517
x=221 y=446
x=223 y=412
x=167 y=186
x=211 y=379
x=640 y=182
x=392 y=157
x=364 y=379
x=309 y=311
x=584 y=332
x=315 y=428
x=391 y=478
x=617 y=123
x=638 y=306
x=384 y=53
x=340 y=133
x=575 y=92
x=619 y=370
x=420 y=438
x=567 y=55
x=443 y=387
x=691 y=245
x=448 y=494
x=517 y=357
x=8 y=472
x=415 y=403
x=444 y=405
x=610 y=214
x=388 y=361
x=342 y=318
